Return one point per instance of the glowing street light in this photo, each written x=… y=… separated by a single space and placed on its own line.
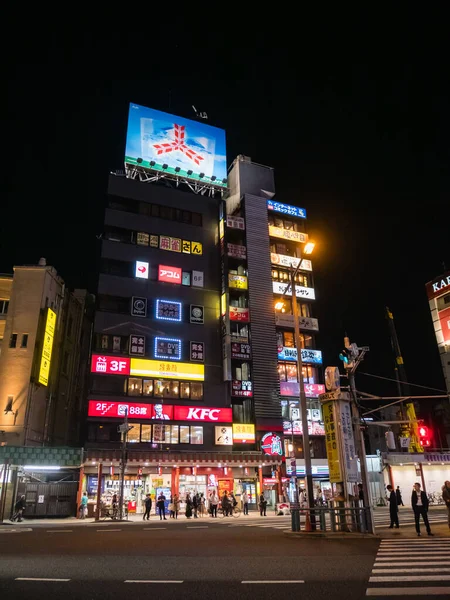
x=309 y=247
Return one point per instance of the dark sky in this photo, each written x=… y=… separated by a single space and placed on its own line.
x=355 y=123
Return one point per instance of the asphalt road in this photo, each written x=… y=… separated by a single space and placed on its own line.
x=183 y=560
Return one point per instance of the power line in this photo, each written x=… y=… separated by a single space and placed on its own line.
x=425 y=387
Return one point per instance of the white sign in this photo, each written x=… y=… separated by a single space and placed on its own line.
x=138 y=306
x=197 y=278
x=404 y=442
x=308 y=323
x=348 y=443
x=300 y=291
x=141 y=271
x=236 y=222
x=290 y=261
x=41 y=499
x=223 y=436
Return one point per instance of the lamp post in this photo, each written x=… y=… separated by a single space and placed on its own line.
x=303 y=409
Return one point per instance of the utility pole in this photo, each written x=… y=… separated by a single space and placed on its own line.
x=356 y=355
x=123 y=429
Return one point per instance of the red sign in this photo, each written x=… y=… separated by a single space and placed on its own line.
x=312 y=390
x=271 y=445
x=239 y=314
x=135 y=410
x=111 y=365
x=439 y=286
x=444 y=318
x=292 y=388
x=169 y=274
x=200 y=413
x=270 y=480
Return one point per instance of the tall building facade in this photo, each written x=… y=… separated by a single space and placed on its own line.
x=44 y=358
x=263 y=241
x=438 y=292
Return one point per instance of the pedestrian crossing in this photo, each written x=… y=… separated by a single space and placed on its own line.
x=411 y=567
x=406 y=518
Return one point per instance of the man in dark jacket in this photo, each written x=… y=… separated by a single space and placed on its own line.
x=148 y=506
x=419 y=502
x=446 y=498
x=393 y=507
x=19 y=507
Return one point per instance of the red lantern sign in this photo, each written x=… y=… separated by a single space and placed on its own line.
x=271 y=445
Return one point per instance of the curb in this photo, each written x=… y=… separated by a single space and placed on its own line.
x=330 y=535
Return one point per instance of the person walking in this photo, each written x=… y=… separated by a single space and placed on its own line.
x=161 y=506
x=148 y=507
x=19 y=508
x=233 y=502
x=245 y=502
x=399 y=496
x=201 y=507
x=226 y=505
x=419 y=502
x=83 y=505
x=393 y=507
x=214 y=501
x=176 y=506
x=195 y=502
x=262 y=506
x=446 y=498
x=188 y=506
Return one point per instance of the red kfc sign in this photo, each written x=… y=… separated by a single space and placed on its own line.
x=111 y=365
x=133 y=410
x=200 y=413
x=169 y=274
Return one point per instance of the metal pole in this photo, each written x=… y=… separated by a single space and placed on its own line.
x=99 y=491
x=361 y=452
x=123 y=461
x=3 y=498
x=304 y=414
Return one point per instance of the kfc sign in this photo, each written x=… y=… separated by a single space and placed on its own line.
x=169 y=274
x=200 y=413
x=110 y=365
x=133 y=410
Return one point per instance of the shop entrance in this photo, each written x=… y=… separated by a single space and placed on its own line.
x=249 y=486
x=192 y=484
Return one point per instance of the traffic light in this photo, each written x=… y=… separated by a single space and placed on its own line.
x=424 y=436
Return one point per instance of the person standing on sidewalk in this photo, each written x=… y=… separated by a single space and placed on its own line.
x=162 y=506
x=399 y=496
x=419 y=502
x=83 y=505
x=245 y=502
x=19 y=507
x=446 y=498
x=214 y=501
x=393 y=507
x=148 y=506
x=262 y=506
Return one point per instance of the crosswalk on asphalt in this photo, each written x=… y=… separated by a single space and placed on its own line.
x=411 y=567
x=407 y=518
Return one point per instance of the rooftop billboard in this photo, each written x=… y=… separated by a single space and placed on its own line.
x=192 y=147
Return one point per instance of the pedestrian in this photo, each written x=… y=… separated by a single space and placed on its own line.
x=195 y=502
x=202 y=507
x=19 y=508
x=245 y=502
x=148 y=506
x=226 y=505
x=393 y=507
x=83 y=505
x=262 y=506
x=233 y=502
x=161 y=506
x=214 y=501
x=170 y=507
x=360 y=493
x=419 y=502
x=302 y=498
x=446 y=498
x=399 y=496
x=176 y=506
x=188 y=506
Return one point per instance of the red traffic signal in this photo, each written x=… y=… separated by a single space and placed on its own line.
x=424 y=435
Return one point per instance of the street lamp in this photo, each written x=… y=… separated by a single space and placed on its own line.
x=304 y=415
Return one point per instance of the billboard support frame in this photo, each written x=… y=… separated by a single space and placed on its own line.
x=146 y=175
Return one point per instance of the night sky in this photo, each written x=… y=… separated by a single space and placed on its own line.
x=357 y=129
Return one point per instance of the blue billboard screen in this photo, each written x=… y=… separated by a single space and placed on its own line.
x=286 y=209
x=191 y=147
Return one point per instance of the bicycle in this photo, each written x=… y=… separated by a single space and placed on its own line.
x=232 y=512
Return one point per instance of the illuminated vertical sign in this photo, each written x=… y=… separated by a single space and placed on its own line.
x=46 y=358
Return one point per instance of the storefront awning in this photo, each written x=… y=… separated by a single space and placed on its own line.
x=182 y=459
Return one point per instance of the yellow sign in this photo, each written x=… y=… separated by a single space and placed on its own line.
x=237 y=281
x=414 y=445
x=47 y=346
x=221 y=229
x=167 y=370
x=223 y=305
x=196 y=248
x=243 y=433
x=288 y=234
x=331 y=440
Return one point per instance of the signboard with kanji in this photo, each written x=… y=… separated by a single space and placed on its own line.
x=197 y=351
x=137 y=345
x=240 y=351
x=332 y=442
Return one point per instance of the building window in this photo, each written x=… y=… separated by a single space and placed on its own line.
x=4 y=307
x=185 y=391
x=24 y=342
x=148 y=387
x=134 y=435
x=146 y=433
x=184 y=434
x=196 y=434
x=13 y=340
x=171 y=434
x=196 y=391
x=134 y=386
x=166 y=389
x=117 y=304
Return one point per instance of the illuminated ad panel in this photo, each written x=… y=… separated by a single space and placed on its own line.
x=162 y=142
x=141 y=270
x=168 y=348
x=168 y=310
x=165 y=370
x=286 y=209
x=308 y=356
x=110 y=365
x=46 y=358
x=243 y=433
x=169 y=274
x=131 y=409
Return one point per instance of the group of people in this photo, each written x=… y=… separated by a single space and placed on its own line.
x=419 y=503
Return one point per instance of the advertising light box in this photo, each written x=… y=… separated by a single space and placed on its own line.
x=169 y=274
x=162 y=142
x=141 y=271
x=308 y=356
x=110 y=365
x=134 y=410
x=165 y=370
x=300 y=291
x=286 y=209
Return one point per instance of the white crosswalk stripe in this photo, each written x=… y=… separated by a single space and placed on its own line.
x=411 y=568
